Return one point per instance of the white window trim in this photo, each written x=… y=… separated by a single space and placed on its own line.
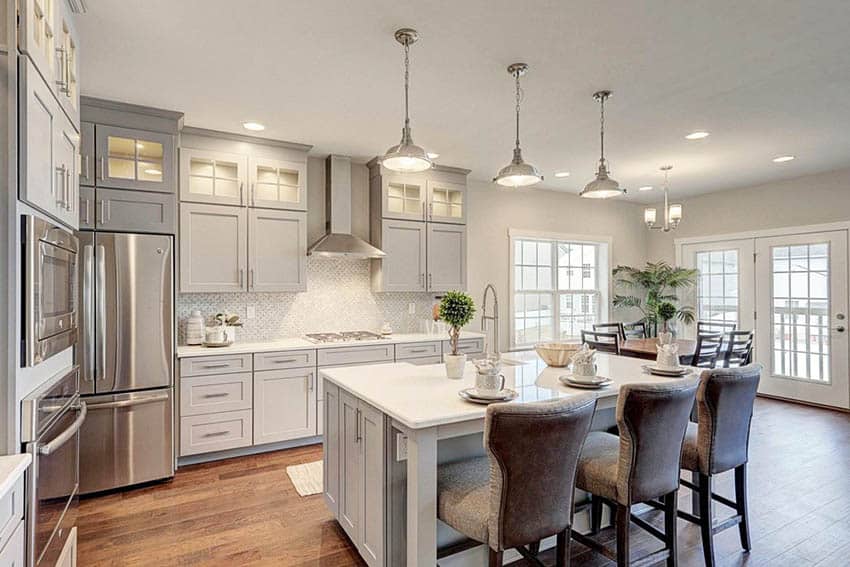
x=605 y=244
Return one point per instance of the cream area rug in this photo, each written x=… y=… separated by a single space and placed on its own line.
x=307 y=478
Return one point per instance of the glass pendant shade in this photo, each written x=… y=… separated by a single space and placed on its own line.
x=649 y=216
x=518 y=173
x=675 y=213
x=406 y=157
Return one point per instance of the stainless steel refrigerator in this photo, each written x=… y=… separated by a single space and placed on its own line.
x=126 y=357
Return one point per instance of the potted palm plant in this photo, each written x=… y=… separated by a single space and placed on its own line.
x=650 y=287
x=456 y=309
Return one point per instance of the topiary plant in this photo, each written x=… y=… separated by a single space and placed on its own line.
x=456 y=309
x=665 y=312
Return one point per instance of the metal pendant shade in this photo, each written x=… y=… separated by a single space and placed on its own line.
x=406 y=156
x=602 y=187
x=518 y=173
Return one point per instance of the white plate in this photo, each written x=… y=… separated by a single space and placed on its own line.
x=567 y=380
x=585 y=380
x=468 y=394
x=658 y=371
x=217 y=345
x=475 y=392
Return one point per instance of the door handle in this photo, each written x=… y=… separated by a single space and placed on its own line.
x=86 y=167
x=840 y=329
x=357 y=418
x=100 y=336
x=251 y=281
x=310 y=382
x=88 y=219
x=241 y=192
x=217 y=395
x=63 y=437
x=88 y=319
x=69 y=205
x=130 y=402
x=60 y=194
x=102 y=168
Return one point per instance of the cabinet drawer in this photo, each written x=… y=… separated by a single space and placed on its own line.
x=222 y=364
x=215 y=393
x=138 y=211
x=425 y=361
x=466 y=346
x=285 y=359
x=11 y=511
x=215 y=432
x=343 y=356
x=12 y=553
x=417 y=350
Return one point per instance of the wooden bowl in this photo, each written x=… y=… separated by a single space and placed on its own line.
x=556 y=354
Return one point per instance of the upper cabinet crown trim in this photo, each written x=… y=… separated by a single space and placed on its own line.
x=114 y=113
x=194 y=131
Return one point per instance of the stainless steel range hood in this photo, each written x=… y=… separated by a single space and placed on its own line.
x=338 y=241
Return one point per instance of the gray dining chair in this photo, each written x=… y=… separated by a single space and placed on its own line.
x=522 y=491
x=615 y=327
x=603 y=342
x=636 y=330
x=739 y=349
x=641 y=464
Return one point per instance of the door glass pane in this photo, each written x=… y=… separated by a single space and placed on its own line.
x=717 y=285
x=129 y=158
x=800 y=314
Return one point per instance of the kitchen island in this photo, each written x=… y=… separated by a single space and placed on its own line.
x=387 y=427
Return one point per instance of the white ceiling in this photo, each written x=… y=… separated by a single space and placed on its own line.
x=765 y=78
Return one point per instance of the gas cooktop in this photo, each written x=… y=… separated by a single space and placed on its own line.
x=342 y=337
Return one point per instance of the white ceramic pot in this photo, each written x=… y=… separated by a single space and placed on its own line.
x=455 y=364
x=665 y=338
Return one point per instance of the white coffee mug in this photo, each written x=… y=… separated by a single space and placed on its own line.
x=488 y=383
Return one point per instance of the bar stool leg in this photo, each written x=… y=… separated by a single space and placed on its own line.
x=622 y=521
x=671 y=508
x=495 y=558
x=562 y=549
x=706 y=519
x=595 y=514
x=741 y=501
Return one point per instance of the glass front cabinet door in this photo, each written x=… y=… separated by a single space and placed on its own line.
x=134 y=159
x=403 y=197
x=446 y=202
x=212 y=177
x=277 y=184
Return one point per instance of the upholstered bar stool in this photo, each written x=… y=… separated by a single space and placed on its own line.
x=719 y=442
x=640 y=464
x=522 y=491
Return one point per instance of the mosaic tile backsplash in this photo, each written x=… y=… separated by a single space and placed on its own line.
x=339 y=297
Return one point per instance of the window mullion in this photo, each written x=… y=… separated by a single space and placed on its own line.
x=556 y=299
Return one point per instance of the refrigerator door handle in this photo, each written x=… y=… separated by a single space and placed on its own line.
x=89 y=373
x=100 y=336
x=128 y=403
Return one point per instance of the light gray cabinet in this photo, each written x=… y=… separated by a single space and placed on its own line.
x=215 y=393
x=213 y=248
x=284 y=405
x=67 y=64
x=277 y=250
x=207 y=433
x=209 y=176
x=446 y=201
x=353 y=355
x=330 y=447
x=402 y=197
x=446 y=257
x=87 y=208
x=65 y=164
x=87 y=155
x=404 y=267
x=134 y=211
x=37 y=36
x=361 y=501
x=278 y=184
x=128 y=158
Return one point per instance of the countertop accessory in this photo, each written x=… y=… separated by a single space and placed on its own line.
x=584 y=362
x=470 y=395
x=662 y=371
x=494 y=346
x=456 y=309
x=556 y=354
x=602 y=187
x=386 y=329
x=518 y=173
x=195 y=328
x=668 y=355
x=593 y=383
x=217 y=345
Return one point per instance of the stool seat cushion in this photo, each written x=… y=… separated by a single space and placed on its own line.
x=463 y=497
x=597 y=467
x=690 y=449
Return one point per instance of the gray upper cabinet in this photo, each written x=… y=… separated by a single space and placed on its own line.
x=134 y=211
x=87 y=156
x=37 y=36
x=213 y=247
x=65 y=165
x=278 y=184
x=277 y=250
x=402 y=197
x=208 y=176
x=404 y=267
x=134 y=159
x=446 y=257
x=66 y=65
x=446 y=201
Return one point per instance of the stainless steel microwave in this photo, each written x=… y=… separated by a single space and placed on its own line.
x=49 y=290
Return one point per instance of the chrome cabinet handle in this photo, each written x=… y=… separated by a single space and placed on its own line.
x=105 y=211
x=251 y=281
x=253 y=194
x=430 y=281
x=218 y=395
x=86 y=167
x=241 y=192
x=88 y=219
x=430 y=211
x=88 y=311
x=63 y=72
x=60 y=194
x=418 y=350
x=69 y=205
x=102 y=168
x=357 y=418
x=100 y=337
x=216 y=434
x=310 y=382
x=220 y=365
x=284 y=361
x=423 y=210
x=241 y=273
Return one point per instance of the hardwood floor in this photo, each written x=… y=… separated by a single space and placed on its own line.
x=245 y=511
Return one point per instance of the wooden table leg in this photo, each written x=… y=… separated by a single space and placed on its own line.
x=422 y=498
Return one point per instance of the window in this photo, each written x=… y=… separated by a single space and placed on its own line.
x=559 y=287
x=717 y=287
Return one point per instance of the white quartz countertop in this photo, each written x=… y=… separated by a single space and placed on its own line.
x=11 y=469
x=186 y=351
x=421 y=396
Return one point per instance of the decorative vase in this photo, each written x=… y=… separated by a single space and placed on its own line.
x=665 y=338
x=195 y=328
x=455 y=365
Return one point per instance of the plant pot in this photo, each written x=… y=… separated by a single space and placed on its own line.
x=665 y=338
x=455 y=365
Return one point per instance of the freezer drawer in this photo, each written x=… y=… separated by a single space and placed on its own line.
x=126 y=439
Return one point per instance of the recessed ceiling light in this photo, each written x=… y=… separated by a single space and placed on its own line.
x=253 y=126
x=562 y=174
x=698 y=135
x=645 y=188
x=433 y=155
x=782 y=159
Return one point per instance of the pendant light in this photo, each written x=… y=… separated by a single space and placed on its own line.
x=603 y=187
x=672 y=213
x=406 y=157
x=518 y=173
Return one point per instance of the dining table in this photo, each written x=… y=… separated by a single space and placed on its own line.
x=647 y=349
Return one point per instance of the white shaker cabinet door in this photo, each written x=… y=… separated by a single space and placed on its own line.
x=208 y=176
x=372 y=485
x=36 y=36
x=213 y=246
x=330 y=446
x=349 y=465
x=403 y=267
x=284 y=405
x=403 y=197
x=66 y=163
x=277 y=250
x=446 y=202
x=277 y=184
x=446 y=257
x=39 y=113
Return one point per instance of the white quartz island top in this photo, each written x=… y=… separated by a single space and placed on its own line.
x=421 y=396
x=185 y=351
x=11 y=469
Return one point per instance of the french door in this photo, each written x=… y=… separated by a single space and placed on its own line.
x=792 y=290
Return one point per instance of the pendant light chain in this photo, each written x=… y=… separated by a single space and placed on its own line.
x=518 y=101
x=406 y=83
x=602 y=130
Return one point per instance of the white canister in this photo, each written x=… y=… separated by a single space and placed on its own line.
x=195 y=328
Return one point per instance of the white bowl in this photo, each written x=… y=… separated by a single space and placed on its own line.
x=556 y=354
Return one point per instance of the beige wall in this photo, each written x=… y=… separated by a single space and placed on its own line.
x=812 y=199
x=495 y=210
